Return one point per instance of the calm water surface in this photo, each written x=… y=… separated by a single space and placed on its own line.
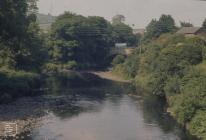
x=116 y=118
x=112 y=115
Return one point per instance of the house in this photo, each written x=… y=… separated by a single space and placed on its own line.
x=191 y=31
x=120 y=45
x=138 y=31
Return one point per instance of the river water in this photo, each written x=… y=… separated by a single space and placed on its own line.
x=104 y=112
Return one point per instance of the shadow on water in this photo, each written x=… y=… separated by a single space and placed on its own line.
x=73 y=95
x=154 y=109
x=66 y=95
x=80 y=83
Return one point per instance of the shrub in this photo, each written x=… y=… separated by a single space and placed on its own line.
x=51 y=68
x=15 y=84
x=198 y=124
x=174 y=66
x=118 y=60
x=71 y=65
x=129 y=68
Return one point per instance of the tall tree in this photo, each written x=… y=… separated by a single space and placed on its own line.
x=186 y=24
x=204 y=24
x=165 y=24
x=19 y=34
x=123 y=33
x=85 y=40
x=152 y=30
x=118 y=19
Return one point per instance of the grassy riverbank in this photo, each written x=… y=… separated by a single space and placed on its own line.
x=173 y=66
x=16 y=84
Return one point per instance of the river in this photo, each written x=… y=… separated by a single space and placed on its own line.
x=96 y=112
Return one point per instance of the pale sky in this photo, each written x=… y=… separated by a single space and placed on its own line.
x=138 y=12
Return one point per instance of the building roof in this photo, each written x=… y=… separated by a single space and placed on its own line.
x=138 y=31
x=188 y=30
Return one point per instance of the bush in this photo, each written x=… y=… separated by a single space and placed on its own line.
x=198 y=124
x=172 y=86
x=174 y=66
x=71 y=65
x=15 y=84
x=129 y=68
x=51 y=68
x=118 y=60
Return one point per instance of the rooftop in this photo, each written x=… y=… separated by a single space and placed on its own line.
x=188 y=30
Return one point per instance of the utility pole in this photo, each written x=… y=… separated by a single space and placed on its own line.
x=51 y=7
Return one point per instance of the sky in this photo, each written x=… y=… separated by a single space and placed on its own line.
x=137 y=12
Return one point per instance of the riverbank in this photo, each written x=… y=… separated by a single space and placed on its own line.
x=18 y=84
x=61 y=93
x=110 y=76
x=173 y=67
x=63 y=113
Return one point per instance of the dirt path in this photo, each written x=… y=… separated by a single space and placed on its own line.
x=108 y=75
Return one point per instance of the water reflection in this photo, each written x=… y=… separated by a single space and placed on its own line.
x=99 y=110
x=117 y=117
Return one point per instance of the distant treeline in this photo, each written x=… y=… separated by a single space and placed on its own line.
x=171 y=66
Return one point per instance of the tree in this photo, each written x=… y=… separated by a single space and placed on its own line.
x=204 y=24
x=123 y=33
x=85 y=40
x=19 y=34
x=152 y=30
x=165 y=24
x=118 y=60
x=118 y=19
x=186 y=24
x=13 y=19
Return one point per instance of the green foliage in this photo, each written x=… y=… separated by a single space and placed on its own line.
x=20 y=40
x=118 y=19
x=13 y=15
x=71 y=65
x=118 y=60
x=174 y=66
x=172 y=86
x=151 y=30
x=186 y=24
x=165 y=24
x=83 y=40
x=127 y=68
x=17 y=83
x=198 y=125
x=189 y=107
x=204 y=24
x=21 y=49
x=169 y=58
x=123 y=33
x=51 y=68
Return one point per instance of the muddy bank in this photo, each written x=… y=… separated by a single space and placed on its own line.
x=108 y=75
